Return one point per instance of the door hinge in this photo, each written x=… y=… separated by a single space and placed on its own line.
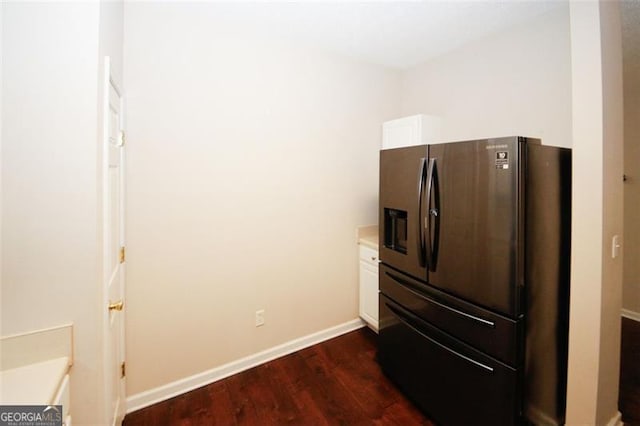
x=121 y=142
x=123 y=370
x=122 y=255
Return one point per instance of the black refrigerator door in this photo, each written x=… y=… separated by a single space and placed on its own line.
x=473 y=222
x=403 y=174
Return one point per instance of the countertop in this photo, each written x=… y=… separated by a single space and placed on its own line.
x=368 y=236
x=35 y=383
x=33 y=365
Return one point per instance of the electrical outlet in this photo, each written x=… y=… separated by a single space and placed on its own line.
x=259 y=317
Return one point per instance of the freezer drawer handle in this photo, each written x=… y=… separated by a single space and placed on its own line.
x=408 y=324
x=449 y=308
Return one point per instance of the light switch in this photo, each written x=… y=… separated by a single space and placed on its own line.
x=615 y=246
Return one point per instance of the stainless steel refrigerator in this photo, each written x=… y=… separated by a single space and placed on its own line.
x=474 y=279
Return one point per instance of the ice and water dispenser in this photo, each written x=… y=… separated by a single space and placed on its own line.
x=395 y=230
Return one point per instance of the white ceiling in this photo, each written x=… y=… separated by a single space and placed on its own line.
x=397 y=34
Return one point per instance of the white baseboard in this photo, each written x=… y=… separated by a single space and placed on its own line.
x=630 y=314
x=162 y=393
x=616 y=420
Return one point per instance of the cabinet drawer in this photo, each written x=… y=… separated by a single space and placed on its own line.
x=449 y=380
x=491 y=333
x=367 y=254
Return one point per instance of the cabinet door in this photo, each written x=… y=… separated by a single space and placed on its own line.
x=410 y=131
x=63 y=396
x=401 y=132
x=369 y=294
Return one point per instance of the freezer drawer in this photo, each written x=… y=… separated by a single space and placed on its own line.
x=493 y=334
x=453 y=383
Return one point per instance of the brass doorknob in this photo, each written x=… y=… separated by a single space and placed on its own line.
x=117 y=306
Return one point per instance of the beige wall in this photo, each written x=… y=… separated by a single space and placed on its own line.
x=613 y=209
x=631 y=241
x=517 y=82
x=594 y=341
x=50 y=179
x=251 y=161
x=1 y=144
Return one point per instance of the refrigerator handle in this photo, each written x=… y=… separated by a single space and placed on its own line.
x=425 y=219
x=421 y=234
x=435 y=213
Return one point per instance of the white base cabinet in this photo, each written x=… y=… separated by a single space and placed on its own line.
x=369 y=286
x=63 y=397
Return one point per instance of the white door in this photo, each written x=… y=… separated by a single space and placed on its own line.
x=114 y=251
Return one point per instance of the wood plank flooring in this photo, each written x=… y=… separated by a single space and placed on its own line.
x=629 y=401
x=337 y=382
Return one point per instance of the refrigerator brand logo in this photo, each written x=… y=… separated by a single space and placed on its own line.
x=496 y=146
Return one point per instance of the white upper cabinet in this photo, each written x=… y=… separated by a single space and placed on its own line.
x=410 y=131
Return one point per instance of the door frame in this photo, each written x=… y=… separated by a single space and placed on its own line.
x=108 y=84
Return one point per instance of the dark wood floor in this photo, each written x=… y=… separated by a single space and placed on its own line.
x=629 y=402
x=337 y=382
